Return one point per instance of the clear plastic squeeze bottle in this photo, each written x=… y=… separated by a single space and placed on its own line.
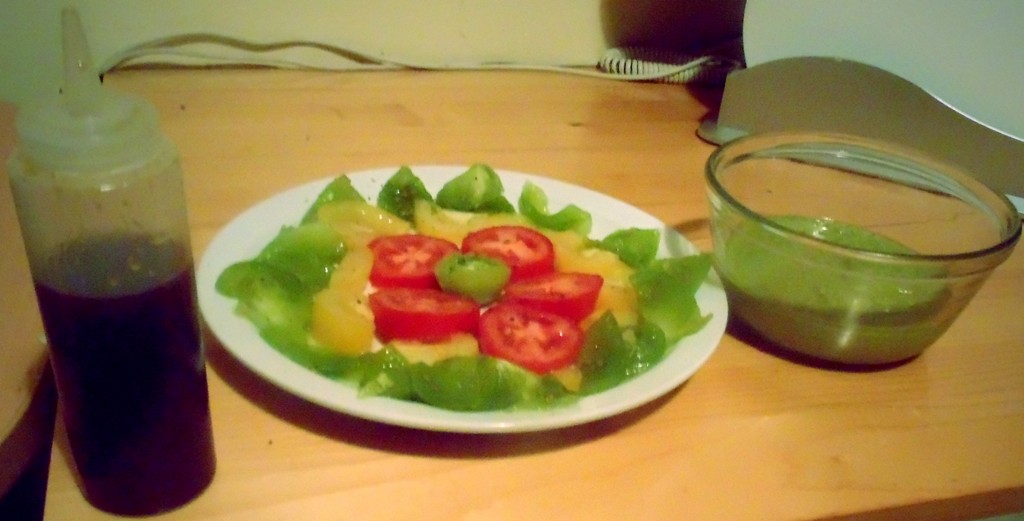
x=99 y=195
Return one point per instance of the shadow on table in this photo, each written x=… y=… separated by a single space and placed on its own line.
x=739 y=330
x=349 y=429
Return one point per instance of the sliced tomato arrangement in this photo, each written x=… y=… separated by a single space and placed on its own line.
x=536 y=340
x=407 y=261
x=527 y=252
x=571 y=295
x=535 y=322
x=423 y=315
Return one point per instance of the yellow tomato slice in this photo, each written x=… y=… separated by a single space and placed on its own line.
x=342 y=323
x=570 y=377
x=430 y=219
x=416 y=352
x=617 y=295
x=351 y=274
x=359 y=222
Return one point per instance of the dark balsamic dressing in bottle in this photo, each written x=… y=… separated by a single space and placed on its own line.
x=100 y=199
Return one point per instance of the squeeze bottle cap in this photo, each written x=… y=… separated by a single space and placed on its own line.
x=86 y=128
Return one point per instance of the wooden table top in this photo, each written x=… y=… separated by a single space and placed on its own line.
x=22 y=355
x=752 y=435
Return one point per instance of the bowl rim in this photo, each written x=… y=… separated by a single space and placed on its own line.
x=906 y=156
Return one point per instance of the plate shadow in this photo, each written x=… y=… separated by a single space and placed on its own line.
x=341 y=427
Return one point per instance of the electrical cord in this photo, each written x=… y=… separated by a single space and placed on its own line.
x=666 y=66
x=625 y=63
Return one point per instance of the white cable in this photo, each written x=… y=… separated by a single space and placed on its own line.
x=141 y=56
x=628 y=64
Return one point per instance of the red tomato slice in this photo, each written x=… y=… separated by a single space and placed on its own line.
x=526 y=251
x=571 y=295
x=407 y=261
x=536 y=340
x=423 y=315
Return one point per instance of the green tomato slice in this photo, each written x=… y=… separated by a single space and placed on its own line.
x=637 y=247
x=533 y=203
x=400 y=193
x=478 y=277
x=478 y=189
x=340 y=189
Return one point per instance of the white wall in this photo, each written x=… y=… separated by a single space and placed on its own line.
x=435 y=33
x=968 y=54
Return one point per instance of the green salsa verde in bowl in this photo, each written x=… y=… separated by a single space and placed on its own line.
x=869 y=311
x=848 y=250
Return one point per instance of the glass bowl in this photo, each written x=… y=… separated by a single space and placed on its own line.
x=850 y=250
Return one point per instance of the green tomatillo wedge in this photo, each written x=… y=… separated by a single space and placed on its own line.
x=478 y=189
x=339 y=189
x=308 y=251
x=637 y=247
x=533 y=203
x=400 y=193
x=478 y=277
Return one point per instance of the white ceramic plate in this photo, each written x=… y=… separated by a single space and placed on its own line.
x=246 y=235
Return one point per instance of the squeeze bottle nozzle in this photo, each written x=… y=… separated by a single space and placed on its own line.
x=87 y=128
x=82 y=88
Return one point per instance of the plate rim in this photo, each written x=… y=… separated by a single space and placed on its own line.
x=287 y=206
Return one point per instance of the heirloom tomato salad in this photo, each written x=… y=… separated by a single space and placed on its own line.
x=463 y=300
